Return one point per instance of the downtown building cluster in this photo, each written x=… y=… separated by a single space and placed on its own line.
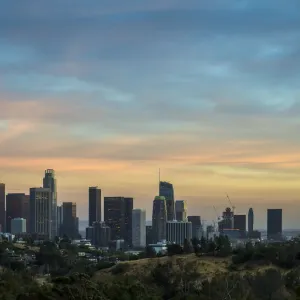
x=123 y=227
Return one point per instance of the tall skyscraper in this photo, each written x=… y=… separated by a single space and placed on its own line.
x=196 y=226
x=139 y=228
x=159 y=219
x=101 y=234
x=274 y=224
x=166 y=190
x=41 y=208
x=128 y=206
x=60 y=218
x=94 y=205
x=114 y=216
x=17 y=206
x=49 y=182
x=239 y=222
x=250 y=220
x=181 y=210
x=69 y=225
x=2 y=207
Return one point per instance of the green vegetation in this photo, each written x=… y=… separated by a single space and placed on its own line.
x=201 y=269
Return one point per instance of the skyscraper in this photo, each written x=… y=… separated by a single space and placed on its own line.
x=274 y=224
x=159 y=219
x=181 y=210
x=114 y=216
x=41 y=208
x=250 y=220
x=139 y=228
x=60 y=218
x=128 y=206
x=166 y=190
x=2 y=207
x=196 y=226
x=94 y=205
x=49 y=182
x=69 y=224
x=16 y=207
x=239 y=222
x=177 y=232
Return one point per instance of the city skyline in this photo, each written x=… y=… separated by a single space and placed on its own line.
x=205 y=90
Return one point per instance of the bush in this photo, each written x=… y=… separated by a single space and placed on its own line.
x=120 y=268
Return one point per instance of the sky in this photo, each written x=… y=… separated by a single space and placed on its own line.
x=108 y=92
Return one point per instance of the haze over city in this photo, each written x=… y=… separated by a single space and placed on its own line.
x=208 y=91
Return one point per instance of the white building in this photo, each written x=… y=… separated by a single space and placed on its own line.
x=18 y=225
x=139 y=228
x=177 y=232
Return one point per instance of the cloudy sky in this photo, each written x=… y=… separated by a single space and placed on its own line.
x=108 y=92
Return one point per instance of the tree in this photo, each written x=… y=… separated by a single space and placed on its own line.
x=150 y=252
x=174 y=249
x=187 y=247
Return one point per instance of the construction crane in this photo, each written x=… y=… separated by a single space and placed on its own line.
x=232 y=206
x=218 y=217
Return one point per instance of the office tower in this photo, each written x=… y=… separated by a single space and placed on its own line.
x=159 y=219
x=196 y=226
x=89 y=231
x=2 y=207
x=274 y=224
x=181 y=210
x=139 y=228
x=101 y=234
x=149 y=237
x=69 y=225
x=41 y=208
x=60 y=218
x=227 y=220
x=49 y=182
x=239 y=222
x=94 y=205
x=18 y=225
x=177 y=232
x=114 y=216
x=128 y=206
x=17 y=206
x=250 y=220
x=166 y=190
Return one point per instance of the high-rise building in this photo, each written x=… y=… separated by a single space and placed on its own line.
x=49 y=182
x=2 y=207
x=69 y=225
x=227 y=221
x=94 y=205
x=41 y=208
x=159 y=219
x=17 y=206
x=101 y=234
x=128 y=206
x=181 y=210
x=149 y=237
x=250 y=220
x=274 y=224
x=177 y=232
x=239 y=222
x=114 y=216
x=60 y=218
x=139 y=228
x=196 y=226
x=166 y=190
x=18 y=225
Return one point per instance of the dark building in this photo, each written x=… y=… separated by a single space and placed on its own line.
x=17 y=206
x=159 y=219
x=128 y=205
x=60 y=218
x=196 y=226
x=239 y=222
x=94 y=205
x=227 y=221
x=114 y=216
x=2 y=206
x=89 y=233
x=101 y=234
x=250 y=220
x=69 y=225
x=255 y=234
x=274 y=224
x=149 y=237
x=166 y=190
